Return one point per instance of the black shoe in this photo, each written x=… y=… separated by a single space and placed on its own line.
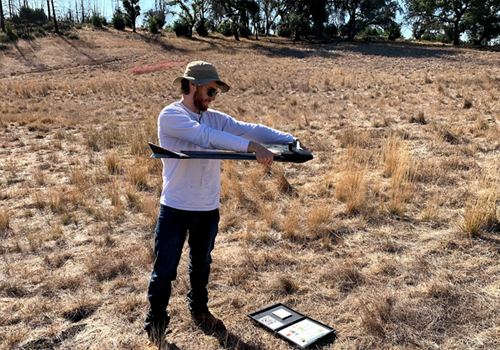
x=208 y=321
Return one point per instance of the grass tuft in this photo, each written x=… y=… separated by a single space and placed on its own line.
x=287 y=285
x=4 y=221
x=80 y=309
x=351 y=188
x=399 y=166
x=108 y=267
x=113 y=163
x=418 y=119
x=480 y=214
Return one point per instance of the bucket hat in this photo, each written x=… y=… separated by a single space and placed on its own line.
x=201 y=73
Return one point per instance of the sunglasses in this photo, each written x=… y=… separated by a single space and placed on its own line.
x=211 y=92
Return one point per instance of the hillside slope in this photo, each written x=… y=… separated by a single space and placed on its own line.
x=390 y=235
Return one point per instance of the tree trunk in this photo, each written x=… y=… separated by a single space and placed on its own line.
x=351 y=25
x=54 y=16
x=235 y=30
x=76 y=11
x=456 y=34
x=48 y=10
x=83 y=13
x=2 y=24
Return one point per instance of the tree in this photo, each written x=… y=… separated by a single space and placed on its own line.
x=363 y=13
x=2 y=24
x=237 y=15
x=56 y=28
x=483 y=21
x=270 y=10
x=228 y=10
x=83 y=12
x=192 y=13
x=158 y=15
x=10 y=5
x=249 y=15
x=294 y=21
x=133 y=10
x=446 y=13
x=303 y=17
x=188 y=16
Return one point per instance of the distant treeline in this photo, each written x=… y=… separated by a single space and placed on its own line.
x=449 y=21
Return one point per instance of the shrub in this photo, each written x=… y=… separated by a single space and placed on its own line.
x=182 y=28
x=244 y=31
x=11 y=36
x=49 y=26
x=97 y=20
x=393 y=32
x=331 y=31
x=318 y=30
x=201 y=28
x=73 y=36
x=25 y=35
x=29 y=15
x=369 y=31
x=153 y=25
x=225 y=28
x=40 y=32
x=159 y=17
x=428 y=37
x=118 y=20
x=284 y=30
x=3 y=39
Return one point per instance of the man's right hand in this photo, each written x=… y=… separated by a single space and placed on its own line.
x=263 y=155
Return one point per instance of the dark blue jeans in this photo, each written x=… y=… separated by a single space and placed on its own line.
x=171 y=231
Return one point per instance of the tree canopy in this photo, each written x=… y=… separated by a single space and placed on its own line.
x=132 y=11
x=453 y=21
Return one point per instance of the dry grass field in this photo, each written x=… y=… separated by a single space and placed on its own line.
x=390 y=235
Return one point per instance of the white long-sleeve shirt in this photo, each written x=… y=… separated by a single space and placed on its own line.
x=195 y=184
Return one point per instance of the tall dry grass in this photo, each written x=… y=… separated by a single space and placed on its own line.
x=399 y=166
x=481 y=209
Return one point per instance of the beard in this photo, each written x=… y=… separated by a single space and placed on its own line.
x=199 y=101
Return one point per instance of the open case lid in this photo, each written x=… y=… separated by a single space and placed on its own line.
x=300 y=330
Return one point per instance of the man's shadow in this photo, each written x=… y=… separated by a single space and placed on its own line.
x=228 y=340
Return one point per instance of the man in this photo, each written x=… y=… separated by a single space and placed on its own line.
x=191 y=190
